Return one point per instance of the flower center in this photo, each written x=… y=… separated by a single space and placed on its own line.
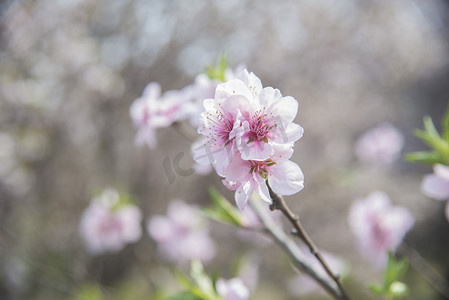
x=260 y=167
x=259 y=127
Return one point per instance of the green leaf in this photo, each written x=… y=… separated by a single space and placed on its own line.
x=218 y=71
x=431 y=137
x=395 y=270
x=201 y=279
x=426 y=157
x=223 y=211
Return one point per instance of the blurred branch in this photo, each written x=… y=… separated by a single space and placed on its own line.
x=279 y=204
x=294 y=251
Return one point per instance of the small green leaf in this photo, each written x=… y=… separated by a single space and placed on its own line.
x=395 y=270
x=223 y=211
x=426 y=157
x=218 y=71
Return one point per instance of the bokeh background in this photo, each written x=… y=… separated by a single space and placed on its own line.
x=70 y=69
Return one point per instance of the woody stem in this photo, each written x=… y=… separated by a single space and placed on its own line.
x=280 y=204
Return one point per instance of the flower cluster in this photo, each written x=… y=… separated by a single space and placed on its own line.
x=248 y=135
x=182 y=234
x=108 y=224
x=436 y=185
x=378 y=226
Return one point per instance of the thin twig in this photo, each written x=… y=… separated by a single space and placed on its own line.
x=291 y=248
x=279 y=204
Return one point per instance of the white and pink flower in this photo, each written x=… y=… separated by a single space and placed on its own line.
x=153 y=110
x=107 y=225
x=182 y=235
x=232 y=289
x=379 y=226
x=248 y=135
x=380 y=145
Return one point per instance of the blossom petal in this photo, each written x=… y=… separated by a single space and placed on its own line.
x=256 y=150
x=268 y=96
x=285 y=109
x=441 y=171
x=237 y=169
x=290 y=133
x=231 y=88
x=435 y=187
x=286 y=178
x=242 y=196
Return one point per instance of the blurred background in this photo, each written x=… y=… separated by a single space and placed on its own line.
x=70 y=69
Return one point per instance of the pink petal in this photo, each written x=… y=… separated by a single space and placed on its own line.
x=285 y=109
x=442 y=171
x=231 y=88
x=268 y=96
x=256 y=150
x=242 y=195
x=237 y=169
x=286 y=178
x=435 y=187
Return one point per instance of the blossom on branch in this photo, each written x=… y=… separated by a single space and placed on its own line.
x=182 y=235
x=248 y=135
x=379 y=226
x=107 y=225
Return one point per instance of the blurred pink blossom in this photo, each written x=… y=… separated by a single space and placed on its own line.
x=232 y=289
x=107 y=225
x=302 y=285
x=380 y=145
x=182 y=235
x=379 y=226
x=436 y=185
x=153 y=110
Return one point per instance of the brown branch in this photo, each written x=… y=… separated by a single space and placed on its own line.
x=292 y=249
x=279 y=204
